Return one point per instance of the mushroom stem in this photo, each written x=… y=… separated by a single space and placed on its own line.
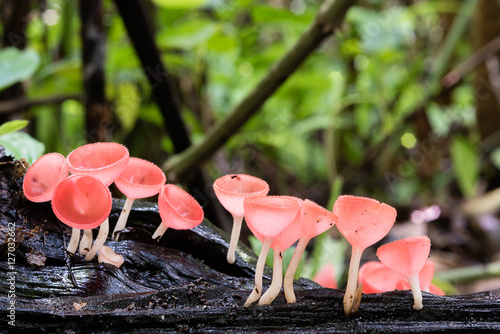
x=292 y=268
x=273 y=291
x=259 y=270
x=417 y=294
x=86 y=242
x=99 y=241
x=352 y=281
x=235 y=237
x=122 y=220
x=73 y=242
x=159 y=231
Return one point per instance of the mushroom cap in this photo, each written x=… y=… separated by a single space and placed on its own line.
x=269 y=215
x=406 y=256
x=140 y=179
x=363 y=221
x=103 y=160
x=291 y=233
x=315 y=219
x=232 y=189
x=178 y=209
x=326 y=277
x=376 y=278
x=43 y=176
x=81 y=201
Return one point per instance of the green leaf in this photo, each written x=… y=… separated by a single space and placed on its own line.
x=12 y=126
x=465 y=164
x=180 y=4
x=17 y=65
x=22 y=145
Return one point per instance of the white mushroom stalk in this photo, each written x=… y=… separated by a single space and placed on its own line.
x=99 y=241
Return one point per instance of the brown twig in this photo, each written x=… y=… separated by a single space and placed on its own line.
x=14 y=105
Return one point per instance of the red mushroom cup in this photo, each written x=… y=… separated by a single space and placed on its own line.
x=43 y=176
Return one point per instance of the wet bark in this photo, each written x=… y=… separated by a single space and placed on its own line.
x=183 y=284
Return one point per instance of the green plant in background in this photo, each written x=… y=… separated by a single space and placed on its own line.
x=20 y=144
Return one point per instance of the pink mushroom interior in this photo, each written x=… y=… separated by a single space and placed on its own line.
x=178 y=209
x=140 y=179
x=43 y=176
x=102 y=160
x=82 y=201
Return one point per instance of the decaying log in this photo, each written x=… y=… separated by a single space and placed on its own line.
x=183 y=284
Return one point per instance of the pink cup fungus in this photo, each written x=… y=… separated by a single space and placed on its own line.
x=103 y=160
x=315 y=220
x=280 y=243
x=377 y=278
x=43 y=176
x=326 y=277
x=178 y=210
x=140 y=179
x=231 y=190
x=108 y=255
x=362 y=221
x=407 y=257
x=268 y=216
x=83 y=202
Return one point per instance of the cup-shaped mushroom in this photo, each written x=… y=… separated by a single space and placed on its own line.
x=103 y=160
x=375 y=277
x=82 y=202
x=178 y=210
x=407 y=257
x=315 y=220
x=140 y=179
x=43 y=176
x=280 y=243
x=362 y=221
x=231 y=190
x=267 y=216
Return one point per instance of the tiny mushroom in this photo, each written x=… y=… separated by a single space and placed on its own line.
x=281 y=243
x=41 y=180
x=407 y=257
x=268 y=216
x=43 y=176
x=140 y=179
x=362 y=221
x=231 y=190
x=315 y=220
x=104 y=161
x=83 y=202
x=376 y=278
x=178 y=210
x=108 y=255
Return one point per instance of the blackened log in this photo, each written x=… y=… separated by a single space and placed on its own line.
x=183 y=284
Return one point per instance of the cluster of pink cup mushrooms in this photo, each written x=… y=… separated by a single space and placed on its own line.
x=82 y=200
x=280 y=221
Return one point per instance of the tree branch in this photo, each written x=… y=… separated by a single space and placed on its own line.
x=328 y=19
x=14 y=105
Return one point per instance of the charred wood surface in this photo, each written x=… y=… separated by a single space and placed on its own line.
x=183 y=284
